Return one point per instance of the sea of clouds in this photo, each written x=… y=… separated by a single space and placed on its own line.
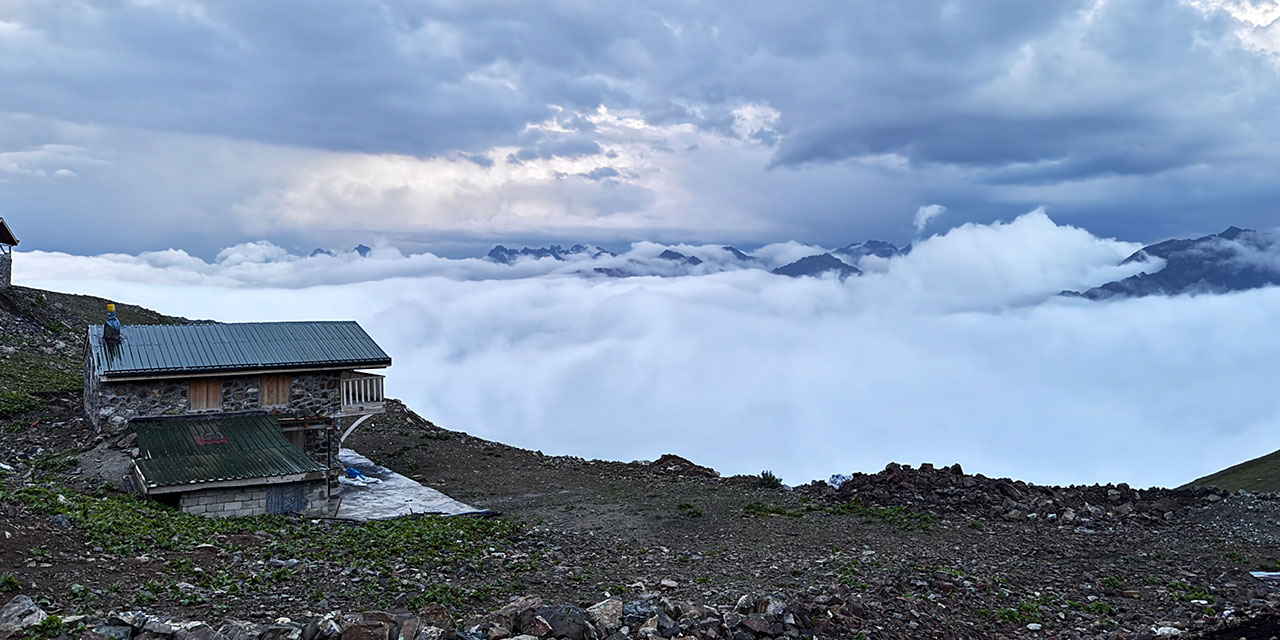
x=960 y=351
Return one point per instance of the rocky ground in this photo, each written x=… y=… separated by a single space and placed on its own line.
x=589 y=548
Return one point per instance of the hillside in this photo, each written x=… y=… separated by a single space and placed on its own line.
x=926 y=552
x=1259 y=474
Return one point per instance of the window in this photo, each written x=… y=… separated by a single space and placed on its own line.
x=206 y=394
x=275 y=390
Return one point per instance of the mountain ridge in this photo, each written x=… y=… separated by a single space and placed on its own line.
x=1233 y=260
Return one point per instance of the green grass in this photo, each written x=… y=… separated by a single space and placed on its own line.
x=1257 y=475
x=15 y=404
x=767 y=480
x=1188 y=592
x=760 y=509
x=26 y=373
x=689 y=510
x=124 y=525
x=50 y=461
x=900 y=517
x=29 y=371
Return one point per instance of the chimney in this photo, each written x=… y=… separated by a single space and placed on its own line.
x=111 y=330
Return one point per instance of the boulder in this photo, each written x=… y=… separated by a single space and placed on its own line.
x=435 y=633
x=435 y=615
x=636 y=613
x=237 y=630
x=568 y=622
x=366 y=630
x=19 y=614
x=607 y=614
x=282 y=632
x=322 y=628
x=196 y=631
x=115 y=631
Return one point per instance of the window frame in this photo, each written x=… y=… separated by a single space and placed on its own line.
x=205 y=402
x=264 y=401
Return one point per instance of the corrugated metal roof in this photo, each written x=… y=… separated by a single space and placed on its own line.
x=254 y=447
x=205 y=348
x=6 y=236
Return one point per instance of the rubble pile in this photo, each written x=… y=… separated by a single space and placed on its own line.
x=948 y=491
x=753 y=617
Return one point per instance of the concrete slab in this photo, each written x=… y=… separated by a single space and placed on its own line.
x=394 y=497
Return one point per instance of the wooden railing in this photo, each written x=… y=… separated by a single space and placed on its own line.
x=362 y=393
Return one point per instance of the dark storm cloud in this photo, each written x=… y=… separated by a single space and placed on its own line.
x=1143 y=118
x=404 y=78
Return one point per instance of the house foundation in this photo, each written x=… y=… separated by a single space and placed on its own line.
x=304 y=498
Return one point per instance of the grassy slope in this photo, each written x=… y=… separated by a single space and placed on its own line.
x=1259 y=474
x=40 y=337
x=73 y=312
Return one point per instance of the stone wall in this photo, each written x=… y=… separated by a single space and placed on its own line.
x=6 y=269
x=240 y=393
x=110 y=405
x=314 y=394
x=91 y=400
x=248 y=501
x=315 y=441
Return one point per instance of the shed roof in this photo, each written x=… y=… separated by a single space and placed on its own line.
x=174 y=350
x=180 y=452
x=6 y=236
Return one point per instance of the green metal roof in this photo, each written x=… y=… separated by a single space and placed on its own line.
x=200 y=449
x=209 y=348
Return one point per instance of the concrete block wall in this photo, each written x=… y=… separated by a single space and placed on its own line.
x=317 y=497
x=6 y=270
x=247 y=501
x=238 y=501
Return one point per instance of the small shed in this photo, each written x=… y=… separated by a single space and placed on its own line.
x=7 y=242
x=224 y=465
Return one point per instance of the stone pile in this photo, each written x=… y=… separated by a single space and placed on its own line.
x=672 y=464
x=751 y=618
x=949 y=491
x=814 y=613
x=651 y=617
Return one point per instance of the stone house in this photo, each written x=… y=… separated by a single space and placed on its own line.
x=7 y=242
x=232 y=419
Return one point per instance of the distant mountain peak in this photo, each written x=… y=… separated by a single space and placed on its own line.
x=877 y=248
x=676 y=256
x=816 y=266
x=504 y=255
x=1235 y=232
x=1210 y=264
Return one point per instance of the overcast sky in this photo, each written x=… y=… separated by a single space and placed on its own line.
x=449 y=126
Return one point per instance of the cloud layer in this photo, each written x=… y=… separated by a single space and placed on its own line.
x=959 y=352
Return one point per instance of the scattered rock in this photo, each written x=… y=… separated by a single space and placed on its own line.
x=607 y=614
x=19 y=614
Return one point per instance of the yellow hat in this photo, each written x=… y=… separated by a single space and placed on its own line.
x=111 y=307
